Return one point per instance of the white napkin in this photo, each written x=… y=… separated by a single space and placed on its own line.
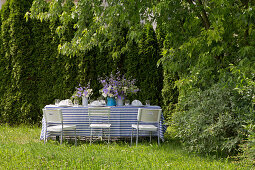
x=66 y=102
x=136 y=103
x=96 y=103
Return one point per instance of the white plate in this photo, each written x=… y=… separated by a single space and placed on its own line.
x=64 y=105
x=137 y=105
x=97 y=105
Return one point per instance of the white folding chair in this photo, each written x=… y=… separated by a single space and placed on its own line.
x=148 y=116
x=54 y=123
x=99 y=118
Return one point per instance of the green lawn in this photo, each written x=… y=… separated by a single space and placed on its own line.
x=20 y=148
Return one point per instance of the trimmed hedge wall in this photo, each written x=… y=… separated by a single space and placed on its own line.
x=33 y=73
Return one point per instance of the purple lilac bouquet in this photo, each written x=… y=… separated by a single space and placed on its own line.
x=83 y=91
x=118 y=86
x=109 y=86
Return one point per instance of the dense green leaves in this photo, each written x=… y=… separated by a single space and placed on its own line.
x=208 y=102
x=204 y=50
x=212 y=120
x=16 y=102
x=34 y=73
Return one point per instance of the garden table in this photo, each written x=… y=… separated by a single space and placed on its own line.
x=121 y=118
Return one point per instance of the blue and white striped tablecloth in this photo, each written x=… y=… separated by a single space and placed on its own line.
x=121 y=118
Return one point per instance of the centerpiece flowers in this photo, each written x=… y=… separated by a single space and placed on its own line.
x=117 y=86
x=84 y=93
x=125 y=87
x=109 y=86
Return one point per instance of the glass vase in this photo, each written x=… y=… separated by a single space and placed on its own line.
x=120 y=100
x=85 y=101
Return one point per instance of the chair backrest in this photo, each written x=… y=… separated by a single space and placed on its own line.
x=53 y=116
x=149 y=115
x=99 y=111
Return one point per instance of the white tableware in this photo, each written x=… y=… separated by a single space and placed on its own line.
x=147 y=102
x=136 y=103
x=65 y=103
x=57 y=102
x=127 y=102
x=97 y=103
x=76 y=102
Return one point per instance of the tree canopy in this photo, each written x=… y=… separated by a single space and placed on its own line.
x=207 y=53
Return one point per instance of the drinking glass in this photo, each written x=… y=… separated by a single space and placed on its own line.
x=102 y=102
x=57 y=102
x=147 y=102
x=127 y=102
x=76 y=102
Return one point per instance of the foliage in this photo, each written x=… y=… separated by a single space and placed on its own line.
x=202 y=39
x=150 y=76
x=34 y=73
x=211 y=120
x=21 y=149
x=169 y=91
x=113 y=44
x=246 y=87
x=170 y=94
x=16 y=102
x=204 y=50
x=248 y=147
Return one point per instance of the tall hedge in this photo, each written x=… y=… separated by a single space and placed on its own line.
x=150 y=76
x=17 y=101
x=33 y=73
x=138 y=62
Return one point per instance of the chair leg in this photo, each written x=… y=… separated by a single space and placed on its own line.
x=61 y=139
x=102 y=132
x=158 y=137
x=150 y=136
x=75 y=138
x=109 y=134
x=90 y=136
x=45 y=136
x=131 y=136
x=137 y=134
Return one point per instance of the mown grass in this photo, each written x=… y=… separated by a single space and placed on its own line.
x=20 y=148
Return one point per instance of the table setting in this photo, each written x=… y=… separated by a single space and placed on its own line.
x=115 y=94
x=121 y=119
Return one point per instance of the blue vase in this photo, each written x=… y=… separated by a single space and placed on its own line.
x=111 y=101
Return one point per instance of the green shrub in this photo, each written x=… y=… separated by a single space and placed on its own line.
x=210 y=121
x=247 y=147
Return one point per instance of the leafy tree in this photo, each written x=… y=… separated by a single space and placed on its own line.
x=202 y=39
x=104 y=32
x=201 y=42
